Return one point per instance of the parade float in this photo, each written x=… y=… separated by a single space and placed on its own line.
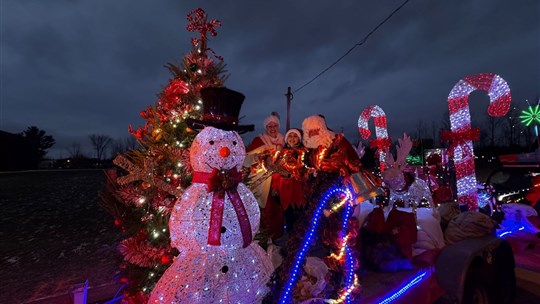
x=191 y=220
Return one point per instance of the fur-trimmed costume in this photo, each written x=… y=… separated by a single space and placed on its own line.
x=331 y=152
x=262 y=147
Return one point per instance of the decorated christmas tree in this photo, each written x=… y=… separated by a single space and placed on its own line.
x=156 y=175
x=214 y=222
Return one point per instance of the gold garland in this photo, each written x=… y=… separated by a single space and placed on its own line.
x=136 y=173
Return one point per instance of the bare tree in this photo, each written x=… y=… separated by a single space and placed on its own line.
x=131 y=143
x=123 y=145
x=513 y=126
x=435 y=131
x=118 y=147
x=445 y=122
x=490 y=129
x=100 y=143
x=421 y=129
x=75 y=151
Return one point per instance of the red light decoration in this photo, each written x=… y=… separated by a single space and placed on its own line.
x=381 y=130
x=461 y=148
x=165 y=260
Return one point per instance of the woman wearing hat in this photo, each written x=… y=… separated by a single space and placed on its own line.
x=261 y=149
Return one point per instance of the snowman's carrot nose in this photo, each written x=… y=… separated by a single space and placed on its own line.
x=224 y=152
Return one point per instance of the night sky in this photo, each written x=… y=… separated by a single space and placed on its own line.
x=74 y=68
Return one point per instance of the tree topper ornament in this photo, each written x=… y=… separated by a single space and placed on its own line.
x=197 y=22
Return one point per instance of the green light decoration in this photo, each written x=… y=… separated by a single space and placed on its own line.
x=415 y=160
x=531 y=115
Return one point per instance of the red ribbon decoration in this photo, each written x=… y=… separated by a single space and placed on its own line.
x=458 y=139
x=173 y=93
x=381 y=144
x=221 y=182
x=197 y=22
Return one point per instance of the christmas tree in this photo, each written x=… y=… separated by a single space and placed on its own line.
x=158 y=172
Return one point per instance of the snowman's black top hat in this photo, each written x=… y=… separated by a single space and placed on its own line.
x=221 y=108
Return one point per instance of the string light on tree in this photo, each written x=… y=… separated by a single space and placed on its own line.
x=159 y=171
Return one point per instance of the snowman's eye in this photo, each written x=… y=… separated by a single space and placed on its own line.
x=211 y=142
x=234 y=143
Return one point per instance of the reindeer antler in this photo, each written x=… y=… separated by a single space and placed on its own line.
x=360 y=150
x=403 y=148
x=389 y=158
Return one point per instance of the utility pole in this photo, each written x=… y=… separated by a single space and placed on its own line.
x=289 y=96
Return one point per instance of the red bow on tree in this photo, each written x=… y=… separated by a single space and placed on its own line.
x=172 y=94
x=459 y=138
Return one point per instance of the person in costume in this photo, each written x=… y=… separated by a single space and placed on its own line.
x=259 y=157
x=331 y=152
x=292 y=184
x=330 y=162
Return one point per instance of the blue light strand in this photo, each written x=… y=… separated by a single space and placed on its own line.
x=404 y=289
x=349 y=261
x=350 y=273
x=287 y=291
x=510 y=231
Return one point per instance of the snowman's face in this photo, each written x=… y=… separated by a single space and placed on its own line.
x=215 y=148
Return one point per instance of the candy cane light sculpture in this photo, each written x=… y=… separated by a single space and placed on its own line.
x=382 y=142
x=462 y=135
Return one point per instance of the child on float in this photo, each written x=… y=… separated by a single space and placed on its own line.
x=291 y=190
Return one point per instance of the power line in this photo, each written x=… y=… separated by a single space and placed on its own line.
x=354 y=46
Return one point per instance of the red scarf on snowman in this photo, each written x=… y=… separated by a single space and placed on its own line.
x=219 y=183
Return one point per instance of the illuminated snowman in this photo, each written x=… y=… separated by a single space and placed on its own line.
x=215 y=220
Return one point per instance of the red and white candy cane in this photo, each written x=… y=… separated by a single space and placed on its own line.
x=381 y=131
x=461 y=136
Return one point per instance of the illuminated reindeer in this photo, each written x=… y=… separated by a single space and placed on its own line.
x=408 y=192
x=405 y=189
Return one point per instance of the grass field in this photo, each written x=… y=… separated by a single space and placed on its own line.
x=54 y=234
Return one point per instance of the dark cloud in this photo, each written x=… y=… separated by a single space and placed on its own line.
x=75 y=68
